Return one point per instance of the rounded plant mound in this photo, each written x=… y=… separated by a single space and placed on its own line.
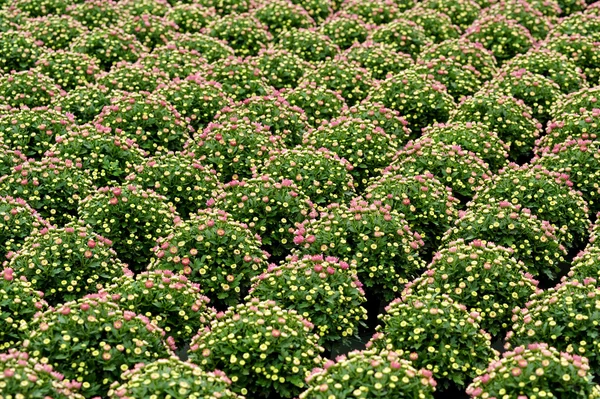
x=385 y=370
x=179 y=177
x=165 y=376
x=548 y=194
x=403 y=35
x=572 y=103
x=233 y=149
x=427 y=205
x=169 y=300
x=436 y=334
x=377 y=12
x=273 y=111
x=100 y=340
x=66 y=263
x=580 y=124
x=377 y=239
x=109 y=45
x=419 y=98
x=510 y=118
x=345 y=29
x=133 y=218
x=364 y=144
x=461 y=170
x=148 y=119
x=68 y=69
x=245 y=33
x=392 y=123
x=308 y=44
x=482 y=276
x=272 y=209
x=534 y=241
x=83 y=102
x=281 y=68
x=174 y=61
x=321 y=174
x=460 y=80
x=323 y=289
x=133 y=78
x=381 y=59
x=34 y=130
x=534 y=369
x=27 y=89
x=51 y=186
x=106 y=158
x=19 y=302
x=246 y=342
x=17 y=221
x=585 y=265
x=564 y=317
x=240 y=78
x=319 y=104
x=24 y=376
x=472 y=136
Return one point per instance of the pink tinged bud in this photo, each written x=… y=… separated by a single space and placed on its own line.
x=149 y=284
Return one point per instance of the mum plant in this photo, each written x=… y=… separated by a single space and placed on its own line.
x=386 y=373
x=376 y=12
x=239 y=78
x=427 y=205
x=234 y=148
x=481 y=275
x=245 y=33
x=83 y=102
x=308 y=44
x=66 y=263
x=151 y=30
x=17 y=221
x=210 y=48
x=404 y=35
x=95 y=13
x=582 y=50
x=28 y=88
x=392 y=123
x=169 y=300
x=585 y=265
x=68 y=69
x=324 y=290
x=345 y=29
x=282 y=15
x=373 y=236
x=106 y=158
x=578 y=125
x=436 y=334
x=18 y=51
x=564 y=317
x=437 y=25
x=460 y=80
x=171 y=375
x=214 y=250
x=505 y=115
x=109 y=45
x=19 y=302
x=174 y=61
x=462 y=12
x=572 y=103
x=180 y=177
x=281 y=68
x=148 y=119
x=532 y=369
x=28 y=377
x=381 y=59
x=460 y=169
x=421 y=99
x=534 y=241
x=272 y=209
x=319 y=103
x=133 y=218
x=246 y=342
x=365 y=145
x=33 y=131
x=547 y=194
x=132 y=78
x=51 y=186
x=320 y=173
x=100 y=340
x=55 y=32
x=190 y=17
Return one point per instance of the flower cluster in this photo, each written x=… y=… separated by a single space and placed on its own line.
x=132 y=78
x=389 y=120
x=586 y=98
x=196 y=99
x=585 y=264
x=364 y=144
x=34 y=130
x=133 y=218
x=324 y=290
x=381 y=59
x=533 y=241
x=548 y=194
x=272 y=209
x=419 y=98
x=190 y=17
x=282 y=15
x=245 y=33
x=51 y=186
x=109 y=46
x=472 y=136
x=460 y=80
x=28 y=88
x=234 y=148
x=377 y=12
x=564 y=317
x=19 y=302
x=387 y=374
x=319 y=103
x=437 y=25
x=212 y=49
x=524 y=13
x=18 y=51
x=66 y=263
x=578 y=125
x=530 y=370
x=436 y=334
x=55 y=31
x=239 y=78
x=462 y=12
x=427 y=205
x=403 y=35
x=345 y=29
x=151 y=30
x=582 y=50
x=180 y=178
x=246 y=343
x=284 y=120
x=108 y=159
x=462 y=170
x=169 y=300
x=83 y=102
x=174 y=61
x=281 y=68
x=68 y=69
x=148 y=119
x=94 y=13
x=213 y=249
x=308 y=44
x=510 y=118
x=165 y=376
x=28 y=377
x=373 y=236
x=484 y=277
x=17 y=221
x=100 y=340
